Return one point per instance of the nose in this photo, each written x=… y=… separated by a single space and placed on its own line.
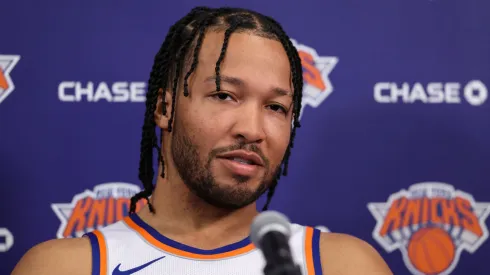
x=249 y=125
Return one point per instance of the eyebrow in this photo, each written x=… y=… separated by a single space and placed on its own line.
x=235 y=81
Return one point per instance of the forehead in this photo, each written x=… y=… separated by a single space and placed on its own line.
x=256 y=60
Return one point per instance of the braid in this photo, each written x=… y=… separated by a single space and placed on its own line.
x=163 y=74
x=297 y=79
x=222 y=55
x=174 y=93
x=270 y=193
x=157 y=81
x=202 y=29
x=297 y=76
x=272 y=190
x=175 y=54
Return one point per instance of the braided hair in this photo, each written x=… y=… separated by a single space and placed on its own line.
x=179 y=51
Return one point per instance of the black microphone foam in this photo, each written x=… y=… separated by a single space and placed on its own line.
x=270 y=232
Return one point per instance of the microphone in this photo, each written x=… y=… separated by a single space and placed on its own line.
x=270 y=232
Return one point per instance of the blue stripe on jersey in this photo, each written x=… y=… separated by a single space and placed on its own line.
x=317 y=263
x=137 y=220
x=95 y=253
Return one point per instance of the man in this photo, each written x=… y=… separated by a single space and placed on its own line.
x=226 y=90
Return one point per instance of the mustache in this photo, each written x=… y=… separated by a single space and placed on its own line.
x=240 y=146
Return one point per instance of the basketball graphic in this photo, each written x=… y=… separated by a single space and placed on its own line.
x=431 y=224
x=106 y=204
x=431 y=250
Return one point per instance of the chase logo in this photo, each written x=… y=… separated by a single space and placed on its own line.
x=116 y=92
x=6 y=239
x=93 y=209
x=431 y=224
x=316 y=69
x=7 y=64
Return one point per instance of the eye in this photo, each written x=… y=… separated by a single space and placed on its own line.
x=278 y=108
x=221 y=96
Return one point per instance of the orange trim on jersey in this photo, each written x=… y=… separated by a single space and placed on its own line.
x=102 y=251
x=147 y=236
x=310 y=267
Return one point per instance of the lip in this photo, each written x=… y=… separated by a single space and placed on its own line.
x=237 y=168
x=250 y=156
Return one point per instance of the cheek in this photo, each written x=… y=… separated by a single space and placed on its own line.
x=278 y=139
x=203 y=129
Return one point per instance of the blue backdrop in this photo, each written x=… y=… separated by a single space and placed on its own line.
x=394 y=147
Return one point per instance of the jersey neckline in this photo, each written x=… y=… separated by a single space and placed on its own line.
x=155 y=238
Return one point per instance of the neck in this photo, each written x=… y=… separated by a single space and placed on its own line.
x=184 y=217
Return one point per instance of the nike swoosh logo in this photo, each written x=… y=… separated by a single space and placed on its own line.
x=117 y=271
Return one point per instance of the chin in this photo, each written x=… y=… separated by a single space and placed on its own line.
x=237 y=181
x=236 y=196
x=244 y=184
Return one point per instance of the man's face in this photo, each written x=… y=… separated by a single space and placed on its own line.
x=228 y=145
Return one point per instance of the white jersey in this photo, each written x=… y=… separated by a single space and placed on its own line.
x=131 y=246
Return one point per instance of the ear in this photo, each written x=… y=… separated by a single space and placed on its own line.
x=163 y=109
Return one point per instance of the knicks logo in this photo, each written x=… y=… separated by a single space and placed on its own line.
x=431 y=224
x=316 y=69
x=106 y=204
x=7 y=63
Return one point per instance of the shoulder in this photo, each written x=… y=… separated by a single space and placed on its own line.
x=59 y=256
x=345 y=254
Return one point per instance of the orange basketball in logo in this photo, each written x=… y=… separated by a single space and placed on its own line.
x=431 y=250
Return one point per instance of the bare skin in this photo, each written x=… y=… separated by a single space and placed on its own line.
x=250 y=111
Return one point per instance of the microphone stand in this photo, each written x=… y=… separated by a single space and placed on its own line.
x=284 y=269
x=278 y=256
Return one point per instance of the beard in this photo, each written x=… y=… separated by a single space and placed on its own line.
x=199 y=178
